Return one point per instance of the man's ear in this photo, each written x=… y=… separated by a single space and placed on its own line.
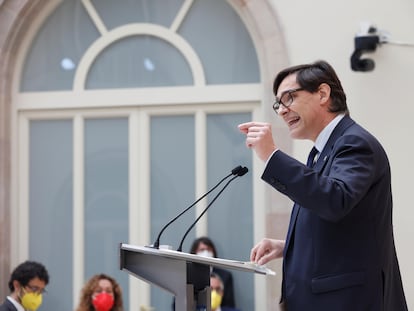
x=324 y=92
x=16 y=285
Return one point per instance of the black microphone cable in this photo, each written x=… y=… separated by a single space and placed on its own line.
x=241 y=172
x=235 y=171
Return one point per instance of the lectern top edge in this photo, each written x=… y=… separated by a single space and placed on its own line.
x=214 y=262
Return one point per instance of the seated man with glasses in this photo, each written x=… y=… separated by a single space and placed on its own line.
x=27 y=284
x=217 y=292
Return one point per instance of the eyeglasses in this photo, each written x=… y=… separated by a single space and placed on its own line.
x=286 y=99
x=35 y=289
x=218 y=289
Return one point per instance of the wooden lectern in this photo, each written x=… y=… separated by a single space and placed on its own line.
x=187 y=276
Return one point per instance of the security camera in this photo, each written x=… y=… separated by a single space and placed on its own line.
x=366 y=41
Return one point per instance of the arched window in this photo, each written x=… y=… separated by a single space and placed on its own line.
x=129 y=112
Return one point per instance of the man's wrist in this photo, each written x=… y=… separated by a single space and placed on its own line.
x=271 y=155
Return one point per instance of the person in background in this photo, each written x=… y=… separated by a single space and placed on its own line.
x=101 y=293
x=204 y=246
x=339 y=253
x=217 y=292
x=27 y=285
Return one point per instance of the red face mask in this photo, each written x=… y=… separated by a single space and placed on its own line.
x=103 y=302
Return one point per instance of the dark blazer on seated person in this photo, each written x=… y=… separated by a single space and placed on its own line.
x=7 y=306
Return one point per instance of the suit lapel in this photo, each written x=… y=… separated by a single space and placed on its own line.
x=327 y=150
x=319 y=165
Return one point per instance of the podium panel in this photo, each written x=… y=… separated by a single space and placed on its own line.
x=187 y=276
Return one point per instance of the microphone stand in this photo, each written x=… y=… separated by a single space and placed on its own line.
x=179 y=249
x=236 y=171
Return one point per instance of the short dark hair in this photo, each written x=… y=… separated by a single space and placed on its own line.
x=205 y=240
x=311 y=76
x=27 y=271
x=216 y=276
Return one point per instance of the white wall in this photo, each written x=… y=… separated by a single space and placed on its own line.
x=381 y=100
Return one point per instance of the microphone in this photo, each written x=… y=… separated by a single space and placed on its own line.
x=242 y=171
x=235 y=171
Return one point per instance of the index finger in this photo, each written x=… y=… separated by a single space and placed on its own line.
x=253 y=255
x=244 y=127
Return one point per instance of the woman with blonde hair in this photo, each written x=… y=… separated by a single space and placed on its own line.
x=101 y=293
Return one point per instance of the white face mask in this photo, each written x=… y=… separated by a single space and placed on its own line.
x=205 y=253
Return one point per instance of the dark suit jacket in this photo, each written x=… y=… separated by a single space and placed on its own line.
x=7 y=306
x=339 y=253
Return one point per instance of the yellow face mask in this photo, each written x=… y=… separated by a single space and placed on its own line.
x=31 y=301
x=215 y=299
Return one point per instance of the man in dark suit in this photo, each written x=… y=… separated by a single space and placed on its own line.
x=27 y=283
x=339 y=252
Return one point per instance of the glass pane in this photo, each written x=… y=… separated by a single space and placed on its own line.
x=140 y=61
x=221 y=40
x=230 y=219
x=106 y=197
x=222 y=43
x=137 y=11
x=50 y=207
x=172 y=186
x=57 y=48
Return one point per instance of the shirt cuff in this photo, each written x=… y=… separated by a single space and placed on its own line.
x=267 y=161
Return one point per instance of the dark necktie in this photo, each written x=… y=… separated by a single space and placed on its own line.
x=311 y=157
